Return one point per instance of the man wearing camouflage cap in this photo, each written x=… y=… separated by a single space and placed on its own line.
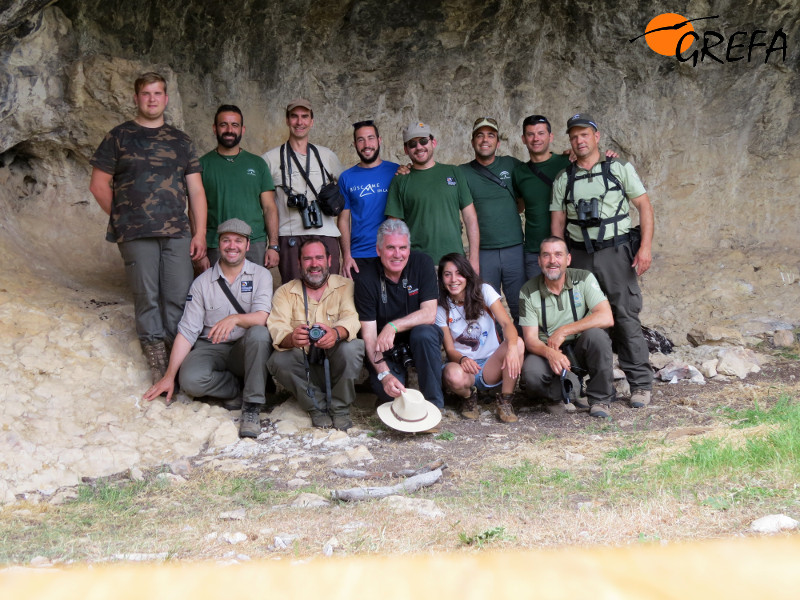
x=223 y=334
x=142 y=173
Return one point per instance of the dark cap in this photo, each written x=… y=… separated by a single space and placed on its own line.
x=581 y=120
x=234 y=226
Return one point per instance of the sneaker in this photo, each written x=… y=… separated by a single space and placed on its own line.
x=640 y=398
x=342 y=422
x=469 y=406
x=599 y=410
x=249 y=423
x=320 y=419
x=504 y=409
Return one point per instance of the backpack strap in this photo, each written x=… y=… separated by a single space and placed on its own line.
x=539 y=173
x=544 y=310
x=226 y=290
x=484 y=172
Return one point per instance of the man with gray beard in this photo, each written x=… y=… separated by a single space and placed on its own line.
x=563 y=313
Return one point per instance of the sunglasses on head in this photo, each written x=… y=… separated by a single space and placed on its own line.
x=411 y=144
x=482 y=119
x=360 y=124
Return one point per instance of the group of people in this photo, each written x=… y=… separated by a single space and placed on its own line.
x=360 y=287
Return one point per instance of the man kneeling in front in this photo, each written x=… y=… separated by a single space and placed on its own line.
x=223 y=334
x=314 y=325
x=564 y=308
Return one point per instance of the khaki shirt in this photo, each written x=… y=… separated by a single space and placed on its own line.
x=207 y=304
x=335 y=308
x=585 y=289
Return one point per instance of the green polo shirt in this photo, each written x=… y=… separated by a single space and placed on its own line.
x=586 y=291
x=593 y=187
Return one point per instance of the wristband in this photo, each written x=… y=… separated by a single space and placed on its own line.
x=460 y=360
x=338 y=337
x=383 y=375
x=394 y=327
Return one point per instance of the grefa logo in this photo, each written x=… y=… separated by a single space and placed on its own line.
x=671 y=34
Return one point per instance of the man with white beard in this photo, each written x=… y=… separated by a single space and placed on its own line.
x=564 y=312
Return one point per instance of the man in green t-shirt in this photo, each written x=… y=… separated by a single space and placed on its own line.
x=239 y=185
x=429 y=199
x=565 y=307
x=533 y=182
x=489 y=181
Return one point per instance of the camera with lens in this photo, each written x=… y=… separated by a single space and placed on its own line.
x=297 y=201
x=315 y=334
x=588 y=212
x=400 y=355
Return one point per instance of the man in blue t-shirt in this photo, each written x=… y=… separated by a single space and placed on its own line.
x=364 y=187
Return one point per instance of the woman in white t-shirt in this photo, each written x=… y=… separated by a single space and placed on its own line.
x=467 y=313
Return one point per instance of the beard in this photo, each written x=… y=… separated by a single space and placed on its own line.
x=315 y=279
x=371 y=159
x=227 y=141
x=552 y=276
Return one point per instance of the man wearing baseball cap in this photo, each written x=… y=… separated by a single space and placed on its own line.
x=429 y=199
x=489 y=179
x=300 y=170
x=223 y=334
x=591 y=201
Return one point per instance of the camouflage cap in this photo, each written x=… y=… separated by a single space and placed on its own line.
x=235 y=226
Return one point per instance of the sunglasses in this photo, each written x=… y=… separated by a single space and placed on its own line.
x=411 y=144
x=360 y=124
x=482 y=119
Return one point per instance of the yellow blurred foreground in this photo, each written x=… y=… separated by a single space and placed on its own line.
x=764 y=568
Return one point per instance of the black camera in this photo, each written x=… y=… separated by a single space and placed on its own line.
x=588 y=212
x=297 y=201
x=315 y=333
x=311 y=216
x=400 y=355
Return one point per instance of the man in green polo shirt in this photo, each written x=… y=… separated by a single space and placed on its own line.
x=239 y=185
x=566 y=307
x=489 y=179
x=533 y=182
x=429 y=199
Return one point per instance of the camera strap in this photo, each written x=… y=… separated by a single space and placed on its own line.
x=484 y=172
x=544 y=311
x=304 y=172
x=286 y=165
x=226 y=290
x=540 y=174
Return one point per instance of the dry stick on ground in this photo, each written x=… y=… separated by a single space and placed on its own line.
x=358 y=474
x=409 y=486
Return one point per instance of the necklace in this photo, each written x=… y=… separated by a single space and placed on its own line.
x=230 y=159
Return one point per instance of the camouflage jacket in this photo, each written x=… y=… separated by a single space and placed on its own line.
x=149 y=166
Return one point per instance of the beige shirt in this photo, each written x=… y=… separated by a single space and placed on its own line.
x=335 y=309
x=207 y=304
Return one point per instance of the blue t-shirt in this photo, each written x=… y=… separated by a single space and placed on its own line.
x=365 y=192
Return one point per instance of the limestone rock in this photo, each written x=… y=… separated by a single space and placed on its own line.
x=737 y=362
x=307 y=500
x=421 y=506
x=234 y=537
x=783 y=338
x=233 y=515
x=773 y=524
x=224 y=435
x=713 y=334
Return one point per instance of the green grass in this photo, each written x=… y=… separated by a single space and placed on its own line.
x=446 y=436
x=782 y=411
x=626 y=452
x=484 y=537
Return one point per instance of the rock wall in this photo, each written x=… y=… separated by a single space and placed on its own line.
x=716 y=144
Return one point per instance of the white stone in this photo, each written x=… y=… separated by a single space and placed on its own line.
x=783 y=338
x=224 y=435
x=421 y=506
x=709 y=368
x=359 y=453
x=773 y=524
x=287 y=427
x=739 y=362
x=307 y=500
x=296 y=483
x=170 y=478
x=233 y=515
x=573 y=457
x=234 y=538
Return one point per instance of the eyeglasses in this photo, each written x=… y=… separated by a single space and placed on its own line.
x=482 y=119
x=411 y=144
x=360 y=124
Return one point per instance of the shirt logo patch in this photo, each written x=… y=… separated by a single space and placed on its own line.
x=412 y=291
x=247 y=286
x=578 y=298
x=251 y=172
x=451 y=181
x=188 y=297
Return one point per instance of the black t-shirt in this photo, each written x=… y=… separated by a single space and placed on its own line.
x=417 y=284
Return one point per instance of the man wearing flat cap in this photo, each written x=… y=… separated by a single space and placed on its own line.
x=300 y=169
x=590 y=206
x=430 y=198
x=223 y=333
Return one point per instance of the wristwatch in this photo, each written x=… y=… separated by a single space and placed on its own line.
x=276 y=248
x=383 y=374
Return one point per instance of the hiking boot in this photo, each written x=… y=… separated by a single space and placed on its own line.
x=504 y=409
x=469 y=406
x=234 y=403
x=157 y=359
x=581 y=404
x=640 y=398
x=599 y=410
x=342 y=422
x=320 y=419
x=249 y=423
x=559 y=408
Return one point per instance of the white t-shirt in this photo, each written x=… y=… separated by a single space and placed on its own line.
x=475 y=339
